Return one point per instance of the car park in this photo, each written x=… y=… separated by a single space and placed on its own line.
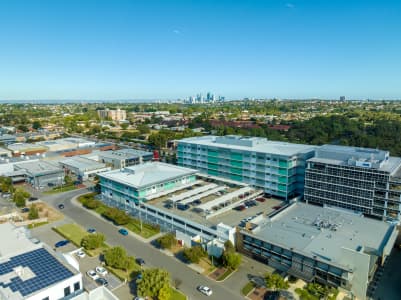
x=205 y=290
x=92 y=274
x=123 y=231
x=81 y=254
x=101 y=271
x=183 y=207
x=61 y=243
x=102 y=281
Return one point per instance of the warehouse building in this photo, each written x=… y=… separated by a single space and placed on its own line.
x=359 y=179
x=83 y=168
x=276 y=167
x=40 y=174
x=331 y=246
x=19 y=149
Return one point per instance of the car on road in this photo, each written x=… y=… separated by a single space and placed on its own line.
x=102 y=271
x=102 y=281
x=205 y=290
x=92 y=274
x=61 y=206
x=91 y=230
x=33 y=199
x=140 y=261
x=81 y=254
x=25 y=210
x=61 y=243
x=123 y=231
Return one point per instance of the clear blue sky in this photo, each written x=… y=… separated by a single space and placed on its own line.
x=167 y=49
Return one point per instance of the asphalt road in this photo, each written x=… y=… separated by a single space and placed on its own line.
x=153 y=257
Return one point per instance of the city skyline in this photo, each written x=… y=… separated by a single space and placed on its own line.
x=167 y=50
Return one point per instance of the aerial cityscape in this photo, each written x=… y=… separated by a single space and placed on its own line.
x=172 y=150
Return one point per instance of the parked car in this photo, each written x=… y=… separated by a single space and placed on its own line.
x=32 y=199
x=260 y=199
x=277 y=207
x=92 y=274
x=139 y=276
x=25 y=210
x=61 y=243
x=205 y=290
x=102 y=281
x=183 y=206
x=123 y=231
x=81 y=254
x=91 y=230
x=140 y=261
x=61 y=206
x=100 y=270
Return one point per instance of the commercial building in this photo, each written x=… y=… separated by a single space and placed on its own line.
x=331 y=246
x=33 y=271
x=276 y=167
x=359 y=179
x=19 y=149
x=112 y=114
x=198 y=208
x=124 y=158
x=66 y=144
x=83 y=168
x=41 y=173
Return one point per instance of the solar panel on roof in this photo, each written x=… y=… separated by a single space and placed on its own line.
x=47 y=269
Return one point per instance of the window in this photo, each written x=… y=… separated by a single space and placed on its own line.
x=77 y=286
x=67 y=291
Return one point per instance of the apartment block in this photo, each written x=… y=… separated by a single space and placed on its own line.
x=276 y=167
x=359 y=179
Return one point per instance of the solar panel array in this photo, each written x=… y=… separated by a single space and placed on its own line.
x=47 y=269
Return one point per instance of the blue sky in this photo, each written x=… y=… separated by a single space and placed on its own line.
x=167 y=49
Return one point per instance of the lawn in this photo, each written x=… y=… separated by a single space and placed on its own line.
x=72 y=232
x=247 y=288
x=64 y=188
x=122 y=274
x=34 y=225
x=177 y=295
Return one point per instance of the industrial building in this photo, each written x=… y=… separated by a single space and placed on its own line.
x=197 y=207
x=359 y=179
x=40 y=174
x=83 y=168
x=33 y=271
x=122 y=158
x=19 y=149
x=331 y=246
x=112 y=114
x=276 y=167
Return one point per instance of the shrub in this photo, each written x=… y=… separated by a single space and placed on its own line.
x=117 y=257
x=33 y=212
x=117 y=216
x=167 y=241
x=194 y=254
x=93 y=241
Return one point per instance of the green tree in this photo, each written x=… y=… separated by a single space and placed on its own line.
x=275 y=281
x=6 y=184
x=167 y=241
x=232 y=260
x=93 y=241
x=154 y=283
x=36 y=125
x=124 y=126
x=20 y=196
x=33 y=212
x=194 y=254
x=117 y=257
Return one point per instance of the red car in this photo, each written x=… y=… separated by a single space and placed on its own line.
x=276 y=207
x=260 y=199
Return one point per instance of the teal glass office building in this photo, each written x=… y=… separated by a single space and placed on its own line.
x=276 y=167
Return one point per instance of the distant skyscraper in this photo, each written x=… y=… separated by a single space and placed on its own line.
x=342 y=98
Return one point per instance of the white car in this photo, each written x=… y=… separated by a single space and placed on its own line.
x=92 y=274
x=205 y=290
x=102 y=271
x=81 y=254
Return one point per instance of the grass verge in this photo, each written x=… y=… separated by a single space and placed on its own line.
x=61 y=189
x=223 y=276
x=124 y=275
x=72 y=232
x=247 y=288
x=177 y=295
x=34 y=225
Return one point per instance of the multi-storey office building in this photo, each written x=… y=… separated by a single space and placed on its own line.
x=331 y=246
x=360 y=179
x=276 y=167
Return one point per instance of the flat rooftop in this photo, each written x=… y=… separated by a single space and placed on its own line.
x=323 y=232
x=38 y=167
x=147 y=174
x=358 y=157
x=82 y=163
x=124 y=153
x=256 y=144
